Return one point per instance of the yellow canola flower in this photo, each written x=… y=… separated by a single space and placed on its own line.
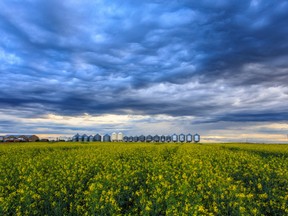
x=242 y=209
x=92 y=187
x=201 y=208
x=241 y=195
x=216 y=210
x=263 y=196
x=147 y=208
x=250 y=196
x=233 y=187
x=254 y=211
x=184 y=176
x=36 y=196
x=108 y=179
x=21 y=191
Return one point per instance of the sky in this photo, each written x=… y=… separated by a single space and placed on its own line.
x=214 y=67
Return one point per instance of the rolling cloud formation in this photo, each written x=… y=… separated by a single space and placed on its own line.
x=212 y=62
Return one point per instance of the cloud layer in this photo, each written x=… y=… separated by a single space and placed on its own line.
x=210 y=61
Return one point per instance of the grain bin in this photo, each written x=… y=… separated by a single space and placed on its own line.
x=114 y=137
x=168 y=138
x=107 y=138
x=156 y=138
x=135 y=139
x=120 y=137
x=90 y=138
x=196 y=138
x=149 y=138
x=189 y=138
x=85 y=138
x=80 y=138
x=182 y=138
x=162 y=138
x=97 y=138
x=75 y=138
x=142 y=138
x=174 y=138
x=130 y=139
x=125 y=138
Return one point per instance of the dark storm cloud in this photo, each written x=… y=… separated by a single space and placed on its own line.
x=250 y=117
x=215 y=60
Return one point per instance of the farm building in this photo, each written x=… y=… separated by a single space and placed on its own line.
x=75 y=138
x=196 y=138
x=120 y=137
x=125 y=138
x=31 y=138
x=149 y=138
x=182 y=138
x=97 y=138
x=156 y=138
x=130 y=138
x=1 y=138
x=114 y=137
x=106 y=138
x=10 y=138
x=142 y=138
x=80 y=138
x=117 y=137
x=135 y=139
x=174 y=138
x=168 y=138
x=20 y=138
x=85 y=138
x=189 y=138
x=91 y=138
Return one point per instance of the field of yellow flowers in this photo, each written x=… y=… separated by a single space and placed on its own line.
x=143 y=179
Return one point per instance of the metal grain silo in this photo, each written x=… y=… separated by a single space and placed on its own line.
x=182 y=138
x=85 y=138
x=135 y=139
x=174 y=138
x=196 y=138
x=120 y=137
x=106 y=138
x=189 y=138
x=80 y=138
x=142 y=138
x=114 y=137
x=130 y=139
x=75 y=138
x=91 y=138
x=168 y=138
x=97 y=138
x=162 y=138
x=125 y=138
x=149 y=138
x=156 y=138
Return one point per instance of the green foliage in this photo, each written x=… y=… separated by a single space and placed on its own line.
x=143 y=179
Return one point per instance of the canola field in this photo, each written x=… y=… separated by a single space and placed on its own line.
x=143 y=179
